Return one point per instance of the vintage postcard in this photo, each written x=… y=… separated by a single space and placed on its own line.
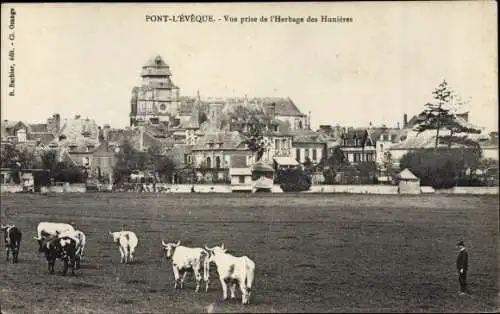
x=249 y=157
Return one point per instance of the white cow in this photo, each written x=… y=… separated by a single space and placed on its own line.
x=81 y=241
x=233 y=270
x=127 y=242
x=50 y=229
x=185 y=259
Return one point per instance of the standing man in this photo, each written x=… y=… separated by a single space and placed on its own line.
x=462 y=265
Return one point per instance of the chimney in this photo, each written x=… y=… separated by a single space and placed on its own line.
x=405 y=120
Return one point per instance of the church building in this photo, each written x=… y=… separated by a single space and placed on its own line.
x=157 y=99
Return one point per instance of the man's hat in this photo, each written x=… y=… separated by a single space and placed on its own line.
x=460 y=243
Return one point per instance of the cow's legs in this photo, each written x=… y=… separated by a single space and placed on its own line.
x=223 y=283
x=244 y=292
x=51 y=266
x=233 y=290
x=65 y=270
x=198 y=278
x=77 y=262
x=73 y=265
x=122 y=254
x=7 y=250
x=15 y=253
x=184 y=274
x=176 y=275
x=131 y=255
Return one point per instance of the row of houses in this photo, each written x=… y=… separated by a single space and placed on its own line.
x=215 y=151
x=208 y=134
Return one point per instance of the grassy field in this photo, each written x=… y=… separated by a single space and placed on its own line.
x=313 y=253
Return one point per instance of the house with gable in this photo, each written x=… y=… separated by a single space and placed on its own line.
x=211 y=155
x=358 y=146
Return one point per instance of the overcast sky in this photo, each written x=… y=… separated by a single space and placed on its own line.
x=85 y=59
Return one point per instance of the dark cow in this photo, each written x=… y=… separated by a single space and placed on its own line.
x=12 y=236
x=63 y=248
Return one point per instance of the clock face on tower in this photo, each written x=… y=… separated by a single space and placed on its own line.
x=163 y=107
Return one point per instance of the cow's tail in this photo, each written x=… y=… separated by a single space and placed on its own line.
x=206 y=268
x=249 y=273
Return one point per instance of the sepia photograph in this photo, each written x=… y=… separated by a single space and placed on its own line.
x=293 y=157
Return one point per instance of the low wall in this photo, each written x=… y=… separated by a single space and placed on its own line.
x=11 y=188
x=478 y=190
x=65 y=188
x=356 y=189
x=199 y=188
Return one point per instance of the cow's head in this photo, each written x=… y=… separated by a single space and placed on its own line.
x=214 y=251
x=6 y=228
x=169 y=248
x=115 y=236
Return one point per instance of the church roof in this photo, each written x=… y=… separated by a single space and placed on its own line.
x=156 y=61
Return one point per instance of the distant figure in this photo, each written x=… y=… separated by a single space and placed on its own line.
x=462 y=265
x=192 y=189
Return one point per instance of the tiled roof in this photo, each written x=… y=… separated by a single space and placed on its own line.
x=425 y=139
x=38 y=128
x=399 y=134
x=349 y=138
x=284 y=106
x=118 y=137
x=78 y=133
x=227 y=140
x=308 y=136
x=45 y=138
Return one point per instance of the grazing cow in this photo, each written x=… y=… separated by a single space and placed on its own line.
x=233 y=270
x=186 y=259
x=50 y=229
x=12 y=237
x=127 y=242
x=64 y=248
x=81 y=241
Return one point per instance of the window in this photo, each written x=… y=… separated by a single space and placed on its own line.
x=217 y=162
x=381 y=147
x=315 y=156
x=393 y=137
x=386 y=137
x=297 y=154
x=357 y=157
x=163 y=107
x=209 y=162
x=306 y=153
x=277 y=144
x=241 y=179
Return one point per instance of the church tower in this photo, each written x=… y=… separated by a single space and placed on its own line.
x=157 y=99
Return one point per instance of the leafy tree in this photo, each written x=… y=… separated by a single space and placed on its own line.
x=49 y=162
x=332 y=164
x=441 y=115
x=294 y=180
x=8 y=155
x=442 y=168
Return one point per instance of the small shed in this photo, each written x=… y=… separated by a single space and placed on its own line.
x=262 y=176
x=408 y=182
